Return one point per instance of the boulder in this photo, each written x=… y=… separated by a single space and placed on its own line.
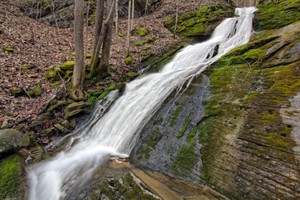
x=11 y=140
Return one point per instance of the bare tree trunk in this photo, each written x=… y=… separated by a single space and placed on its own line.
x=146 y=6
x=128 y=24
x=117 y=17
x=87 y=26
x=176 y=18
x=108 y=24
x=97 y=44
x=78 y=73
x=132 y=14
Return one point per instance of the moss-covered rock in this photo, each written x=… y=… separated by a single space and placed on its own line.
x=247 y=92
x=142 y=32
x=200 y=22
x=128 y=60
x=10 y=177
x=16 y=92
x=34 y=90
x=69 y=65
x=74 y=108
x=125 y=187
x=276 y=14
x=9 y=49
x=11 y=140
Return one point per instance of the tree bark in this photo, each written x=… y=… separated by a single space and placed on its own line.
x=146 y=7
x=117 y=17
x=107 y=39
x=78 y=73
x=132 y=14
x=97 y=44
x=128 y=24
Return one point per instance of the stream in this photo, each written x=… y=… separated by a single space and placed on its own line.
x=115 y=133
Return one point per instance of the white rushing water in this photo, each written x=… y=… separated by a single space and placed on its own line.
x=115 y=133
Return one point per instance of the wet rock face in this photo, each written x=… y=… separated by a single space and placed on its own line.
x=251 y=150
x=248 y=135
x=11 y=140
x=61 y=13
x=169 y=142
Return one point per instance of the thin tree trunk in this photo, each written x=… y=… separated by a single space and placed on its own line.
x=128 y=24
x=176 y=18
x=77 y=81
x=98 y=30
x=87 y=26
x=146 y=7
x=107 y=39
x=132 y=15
x=117 y=17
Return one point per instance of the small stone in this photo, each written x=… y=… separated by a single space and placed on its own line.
x=35 y=91
x=16 y=92
x=61 y=128
x=11 y=140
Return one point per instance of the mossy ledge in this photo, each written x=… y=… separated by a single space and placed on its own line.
x=200 y=22
x=247 y=152
x=10 y=177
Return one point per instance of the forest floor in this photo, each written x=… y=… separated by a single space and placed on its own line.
x=45 y=46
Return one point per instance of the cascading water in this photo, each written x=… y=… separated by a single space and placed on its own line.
x=115 y=133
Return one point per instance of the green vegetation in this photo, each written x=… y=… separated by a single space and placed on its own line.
x=185 y=126
x=35 y=91
x=69 y=65
x=176 y=114
x=276 y=14
x=199 y=22
x=185 y=160
x=247 y=90
x=142 y=32
x=146 y=149
x=128 y=60
x=9 y=49
x=10 y=172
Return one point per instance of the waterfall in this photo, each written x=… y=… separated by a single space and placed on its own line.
x=115 y=133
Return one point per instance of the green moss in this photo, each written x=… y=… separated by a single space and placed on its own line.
x=10 y=172
x=69 y=65
x=24 y=68
x=205 y=129
x=185 y=160
x=150 y=39
x=35 y=91
x=102 y=95
x=150 y=144
x=142 y=32
x=128 y=60
x=51 y=74
x=131 y=74
x=9 y=49
x=112 y=87
x=139 y=43
x=176 y=114
x=55 y=84
x=185 y=126
x=16 y=92
x=200 y=21
x=276 y=14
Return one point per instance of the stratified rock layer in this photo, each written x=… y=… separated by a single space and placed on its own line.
x=247 y=137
